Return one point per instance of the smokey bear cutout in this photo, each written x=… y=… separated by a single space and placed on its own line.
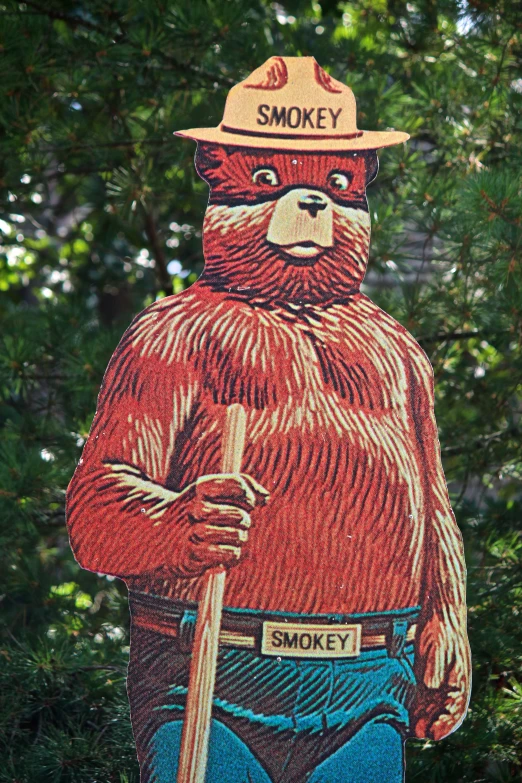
x=342 y=630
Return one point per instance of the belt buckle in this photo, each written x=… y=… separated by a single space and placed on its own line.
x=310 y=640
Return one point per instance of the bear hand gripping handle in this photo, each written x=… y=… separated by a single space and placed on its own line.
x=198 y=711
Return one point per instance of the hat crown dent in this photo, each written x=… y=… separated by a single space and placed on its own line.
x=292 y=97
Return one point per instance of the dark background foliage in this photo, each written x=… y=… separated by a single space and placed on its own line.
x=101 y=213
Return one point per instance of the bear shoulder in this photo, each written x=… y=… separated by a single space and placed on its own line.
x=156 y=321
x=158 y=344
x=169 y=329
x=413 y=355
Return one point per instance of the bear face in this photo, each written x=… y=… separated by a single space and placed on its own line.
x=286 y=227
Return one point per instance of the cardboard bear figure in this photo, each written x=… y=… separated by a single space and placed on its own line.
x=266 y=440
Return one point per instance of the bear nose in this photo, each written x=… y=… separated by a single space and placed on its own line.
x=312 y=202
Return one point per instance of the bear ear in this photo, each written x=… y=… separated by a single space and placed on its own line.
x=372 y=165
x=208 y=157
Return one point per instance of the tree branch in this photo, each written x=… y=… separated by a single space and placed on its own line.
x=159 y=255
x=480 y=443
x=75 y=21
x=448 y=336
x=78 y=21
x=121 y=143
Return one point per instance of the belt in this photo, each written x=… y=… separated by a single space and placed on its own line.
x=280 y=634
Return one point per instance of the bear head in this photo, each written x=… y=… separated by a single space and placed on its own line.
x=286 y=227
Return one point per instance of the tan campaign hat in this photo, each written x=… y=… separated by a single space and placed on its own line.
x=291 y=103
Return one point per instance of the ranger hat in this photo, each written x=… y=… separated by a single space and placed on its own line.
x=291 y=103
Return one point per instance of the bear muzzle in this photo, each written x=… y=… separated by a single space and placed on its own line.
x=302 y=225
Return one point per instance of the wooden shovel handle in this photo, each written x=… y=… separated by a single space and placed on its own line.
x=198 y=711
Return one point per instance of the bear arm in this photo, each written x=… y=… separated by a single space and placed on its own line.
x=120 y=515
x=443 y=650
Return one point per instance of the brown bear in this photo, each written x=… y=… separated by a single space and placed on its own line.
x=341 y=513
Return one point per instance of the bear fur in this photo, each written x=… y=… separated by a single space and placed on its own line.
x=343 y=505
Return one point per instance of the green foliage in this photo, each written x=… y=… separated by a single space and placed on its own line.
x=101 y=213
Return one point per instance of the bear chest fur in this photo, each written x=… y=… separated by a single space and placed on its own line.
x=330 y=434
x=335 y=370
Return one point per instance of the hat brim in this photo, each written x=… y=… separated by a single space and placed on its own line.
x=368 y=140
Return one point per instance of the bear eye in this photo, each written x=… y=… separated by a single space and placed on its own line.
x=340 y=180
x=265 y=176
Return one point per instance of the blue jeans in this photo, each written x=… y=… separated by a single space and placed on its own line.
x=282 y=720
x=373 y=755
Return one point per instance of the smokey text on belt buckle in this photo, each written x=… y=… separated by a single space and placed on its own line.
x=310 y=640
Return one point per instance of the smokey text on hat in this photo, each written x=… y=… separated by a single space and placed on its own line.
x=321 y=117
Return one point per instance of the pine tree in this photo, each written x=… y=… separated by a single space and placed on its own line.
x=101 y=214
